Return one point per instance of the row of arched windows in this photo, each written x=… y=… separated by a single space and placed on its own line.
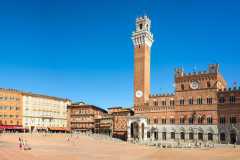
x=231 y=99
x=182 y=120
x=198 y=101
x=182 y=136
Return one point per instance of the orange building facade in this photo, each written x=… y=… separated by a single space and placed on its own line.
x=29 y=112
x=11 y=110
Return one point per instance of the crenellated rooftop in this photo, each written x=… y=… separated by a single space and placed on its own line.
x=163 y=95
x=230 y=89
x=143 y=18
x=212 y=69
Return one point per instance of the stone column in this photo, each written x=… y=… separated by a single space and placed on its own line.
x=186 y=136
x=177 y=136
x=129 y=138
x=145 y=132
x=205 y=137
x=168 y=136
x=129 y=133
x=159 y=136
x=216 y=138
x=140 y=131
x=195 y=136
x=237 y=138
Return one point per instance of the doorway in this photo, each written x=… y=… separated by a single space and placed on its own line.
x=233 y=138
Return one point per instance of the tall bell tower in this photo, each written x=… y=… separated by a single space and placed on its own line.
x=142 y=40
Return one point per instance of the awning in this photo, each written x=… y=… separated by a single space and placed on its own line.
x=120 y=132
x=41 y=128
x=10 y=127
x=57 y=129
x=105 y=125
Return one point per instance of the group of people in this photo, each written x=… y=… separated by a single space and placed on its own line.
x=23 y=145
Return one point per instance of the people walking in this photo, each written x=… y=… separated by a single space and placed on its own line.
x=20 y=143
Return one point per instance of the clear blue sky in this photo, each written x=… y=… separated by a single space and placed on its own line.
x=82 y=49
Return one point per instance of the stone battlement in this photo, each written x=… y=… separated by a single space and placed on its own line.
x=163 y=95
x=212 y=69
x=229 y=89
x=143 y=18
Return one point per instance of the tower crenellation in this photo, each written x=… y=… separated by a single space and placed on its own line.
x=142 y=34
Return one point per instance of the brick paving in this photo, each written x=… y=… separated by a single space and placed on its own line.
x=88 y=148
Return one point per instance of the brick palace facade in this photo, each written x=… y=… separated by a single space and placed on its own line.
x=201 y=109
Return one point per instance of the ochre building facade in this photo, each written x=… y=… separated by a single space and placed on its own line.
x=29 y=112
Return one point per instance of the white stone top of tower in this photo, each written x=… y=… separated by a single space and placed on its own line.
x=142 y=34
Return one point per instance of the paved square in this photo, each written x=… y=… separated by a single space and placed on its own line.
x=62 y=147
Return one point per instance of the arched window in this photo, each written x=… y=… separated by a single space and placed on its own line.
x=190 y=120
x=163 y=120
x=172 y=120
x=210 y=136
x=191 y=136
x=181 y=101
x=164 y=135
x=222 y=137
x=200 y=136
x=148 y=121
x=190 y=101
x=182 y=120
x=199 y=100
x=148 y=134
x=155 y=121
x=232 y=99
x=209 y=120
x=182 y=86
x=200 y=120
x=221 y=99
x=171 y=102
x=208 y=84
x=164 y=103
x=172 y=135
x=233 y=120
x=222 y=120
x=182 y=135
x=209 y=100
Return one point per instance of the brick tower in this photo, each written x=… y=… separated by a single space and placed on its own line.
x=142 y=39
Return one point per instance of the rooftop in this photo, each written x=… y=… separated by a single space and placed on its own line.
x=33 y=94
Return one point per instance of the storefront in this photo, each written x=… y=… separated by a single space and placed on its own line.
x=11 y=128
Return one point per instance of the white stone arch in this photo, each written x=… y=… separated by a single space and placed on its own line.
x=172 y=129
x=182 y=129
x=200 y=134
x=223 y=130
x=210 y=130
x=200 y=130
x=191 y=130
x=233 y=134
x=233 y=129
x=142 y=122
x=164 y=129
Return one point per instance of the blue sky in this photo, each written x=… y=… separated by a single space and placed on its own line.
x=82 y=49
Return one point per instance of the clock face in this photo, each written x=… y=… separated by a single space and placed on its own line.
x=194 y=85
x=139 y=94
